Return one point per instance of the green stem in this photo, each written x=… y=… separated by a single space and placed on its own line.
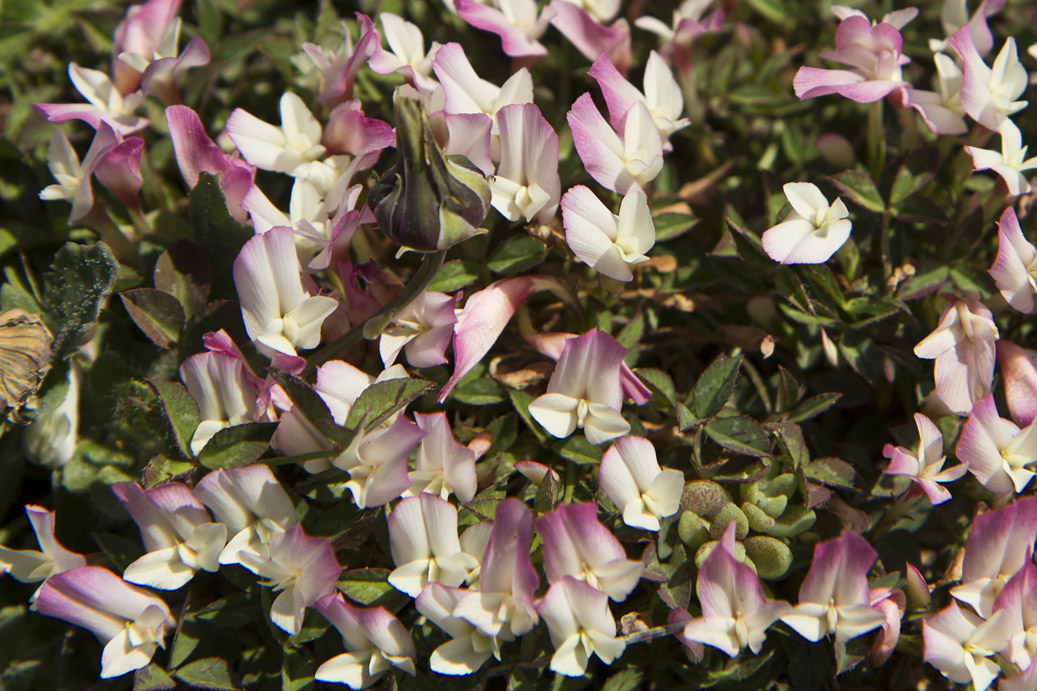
x=101 y=223
x=570 y=482
x=430 y=265
x=887 y=260
x=876 y=139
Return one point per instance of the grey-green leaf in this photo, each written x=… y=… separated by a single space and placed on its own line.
x=715 y=386
x=80 y=279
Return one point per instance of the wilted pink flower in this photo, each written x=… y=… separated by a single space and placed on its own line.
x=963 y=346
x=114 y=161
x=131 y=622
x=926 y=465
x=942 y=111
x=105 y=103
x=338 y=68
x=890 y=603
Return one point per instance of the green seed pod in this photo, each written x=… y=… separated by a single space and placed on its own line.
x=771 y=557
x=705 y=497
x=793 y=522
x=759 y=521
x=705 y=550
x=427 y=201
x=692 y=530
x=729 y=513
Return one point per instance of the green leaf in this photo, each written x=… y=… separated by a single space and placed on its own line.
x=920 y=285
x=478 y=391
x=380 y=400
x=739 y=434
x=161 y=469
x=521 y=400
x=631 y=333
x=369 y=587
x=919 y=209
x=184 y=272
x=504 y=431
x=625 y=680
x=670 y=225
x=715 y=386
x=833 y=472
x=547 y=494
x=159 y=315
x=860 y=188
x=237 y=446
x=517 y=254
x=220 y=236
x=296 y=672
x=152 y=678
x=181 y=411
x=659 y=382
x=454 y=276
x=789 y=390
x=685 y=418
x=75 y=288
x=907 y=183
x=579 y=451
x=814 y=406
x=207 y=673
x=791 y=436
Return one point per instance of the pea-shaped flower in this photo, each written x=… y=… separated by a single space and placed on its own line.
x=812 y=232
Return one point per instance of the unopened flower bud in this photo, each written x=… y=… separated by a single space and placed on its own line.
x=427 y=201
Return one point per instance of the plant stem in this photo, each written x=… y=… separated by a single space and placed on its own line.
x=876 y=139
x=430 y=265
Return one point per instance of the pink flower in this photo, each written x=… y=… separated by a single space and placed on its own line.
x=999 y=543
x=835 y=597
x=1019 y=373
x=302 y=568
x=580 y=624
x=618 y=160
x=873 y=53
x=926 y=466
x=1015 y=269
x=196 y=153
x=31 y=566
x=735 y=612
x=577 y=545
x=131 y=622
x=960 y=645
x=995 y=450
x=584 y=391
x=963 y=347
x=988 y=94
x=375 y=642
